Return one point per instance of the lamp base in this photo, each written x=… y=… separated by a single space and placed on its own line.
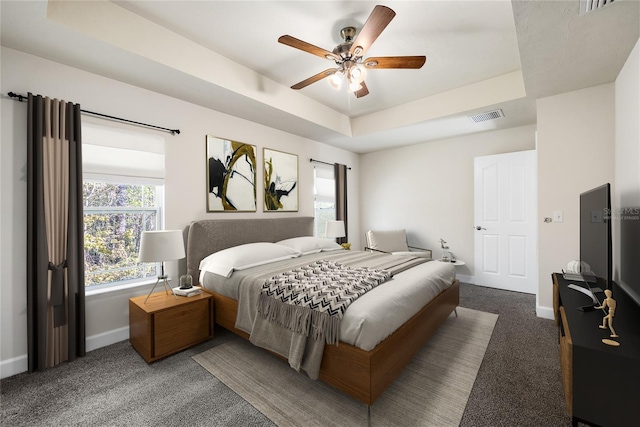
x=167 y=288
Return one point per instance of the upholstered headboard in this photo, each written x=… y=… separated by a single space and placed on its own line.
x=212 y=235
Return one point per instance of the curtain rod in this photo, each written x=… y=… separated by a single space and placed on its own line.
x=324 y=163
x=119 y=119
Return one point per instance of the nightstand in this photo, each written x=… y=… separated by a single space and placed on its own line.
x=164 y=325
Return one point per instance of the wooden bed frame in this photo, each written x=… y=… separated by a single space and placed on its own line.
x=361 y=374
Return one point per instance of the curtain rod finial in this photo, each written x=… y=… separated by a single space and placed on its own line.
x=17 y=95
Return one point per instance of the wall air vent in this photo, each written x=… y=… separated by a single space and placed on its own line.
x=488 y=115
x=587 y=6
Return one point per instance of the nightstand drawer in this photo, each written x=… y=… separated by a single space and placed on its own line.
x=164 y=325
x=180 y=326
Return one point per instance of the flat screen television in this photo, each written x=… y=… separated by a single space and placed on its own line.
x=627 y=218
x=595 y=236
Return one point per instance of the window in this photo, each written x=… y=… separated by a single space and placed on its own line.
x=324 y=186
x=123 y=195
x=115 y=215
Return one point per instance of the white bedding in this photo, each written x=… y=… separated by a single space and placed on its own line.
x=377 y=314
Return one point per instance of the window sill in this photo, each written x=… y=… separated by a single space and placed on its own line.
x=117 y=288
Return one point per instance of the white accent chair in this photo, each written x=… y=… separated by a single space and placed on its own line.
x=393 y=242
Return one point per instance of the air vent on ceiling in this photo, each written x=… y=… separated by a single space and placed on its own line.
x=488 y=115
x=587 y=6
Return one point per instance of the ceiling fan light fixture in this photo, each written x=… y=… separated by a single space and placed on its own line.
x=335 y=81
x=354 y=86
x=357 y=73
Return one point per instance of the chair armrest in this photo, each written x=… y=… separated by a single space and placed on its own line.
x=422 y=249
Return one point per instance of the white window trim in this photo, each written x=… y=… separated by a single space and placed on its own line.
x=120 y=178
x=105 y=289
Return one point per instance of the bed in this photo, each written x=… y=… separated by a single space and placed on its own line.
x=363 y=374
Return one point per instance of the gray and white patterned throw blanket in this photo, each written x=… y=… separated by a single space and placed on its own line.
x=311 y=300
x=302 y=351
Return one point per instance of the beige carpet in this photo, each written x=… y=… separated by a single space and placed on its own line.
x=432 y=390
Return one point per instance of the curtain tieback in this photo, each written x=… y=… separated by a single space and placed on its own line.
x=57 y=292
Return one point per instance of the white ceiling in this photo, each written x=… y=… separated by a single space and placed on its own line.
x=224 y=55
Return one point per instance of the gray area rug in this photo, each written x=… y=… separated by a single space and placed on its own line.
x=432 y=390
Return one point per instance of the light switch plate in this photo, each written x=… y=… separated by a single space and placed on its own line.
x=558 y=216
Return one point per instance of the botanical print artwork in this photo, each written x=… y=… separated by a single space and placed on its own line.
x=280 y=181
x=231 y=175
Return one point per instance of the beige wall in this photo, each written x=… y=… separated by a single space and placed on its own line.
x=575 y=153
x=427 y=189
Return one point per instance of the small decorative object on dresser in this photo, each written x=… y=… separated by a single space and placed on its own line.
x=164 y=325
x=190 y=292
x=445 y=251
x=609 y=303
x=186 y=281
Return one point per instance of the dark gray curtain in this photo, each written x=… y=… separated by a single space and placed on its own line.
x=55 y=241
x=340 y=173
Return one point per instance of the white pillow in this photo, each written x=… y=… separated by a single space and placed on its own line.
x=245 y=256
x=310 y=245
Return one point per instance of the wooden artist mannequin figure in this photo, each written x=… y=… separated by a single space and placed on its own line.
x=609 y=303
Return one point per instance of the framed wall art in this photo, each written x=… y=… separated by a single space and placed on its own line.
x=231 y=176
x=280 y=181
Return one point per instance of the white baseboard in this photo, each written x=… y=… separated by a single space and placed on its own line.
x=20 y=364
x=107 y=338
x=14 y=366
x=466 y=279
x=545 y=312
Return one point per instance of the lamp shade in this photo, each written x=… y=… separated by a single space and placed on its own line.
x=335 y=229
x=335 y=81
x=165 y=245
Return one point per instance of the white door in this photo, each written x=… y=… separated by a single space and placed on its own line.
x=505 y=208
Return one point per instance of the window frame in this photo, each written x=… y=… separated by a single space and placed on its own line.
x=160 y=211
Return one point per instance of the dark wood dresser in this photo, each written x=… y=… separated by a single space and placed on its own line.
x=601 y=382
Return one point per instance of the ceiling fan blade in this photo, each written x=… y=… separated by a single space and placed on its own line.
x=414 y=62
x=364 y=91
x=376 y=23
x=307 y=47
x=315 y=78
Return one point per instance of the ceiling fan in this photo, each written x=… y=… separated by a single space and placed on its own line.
x=348 y=55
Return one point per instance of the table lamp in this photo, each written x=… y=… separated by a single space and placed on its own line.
x=161 y=246
x=335 y=229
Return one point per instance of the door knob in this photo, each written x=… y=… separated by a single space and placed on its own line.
x=479 y=228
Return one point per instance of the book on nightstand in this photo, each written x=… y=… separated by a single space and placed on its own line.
x=189 y=292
